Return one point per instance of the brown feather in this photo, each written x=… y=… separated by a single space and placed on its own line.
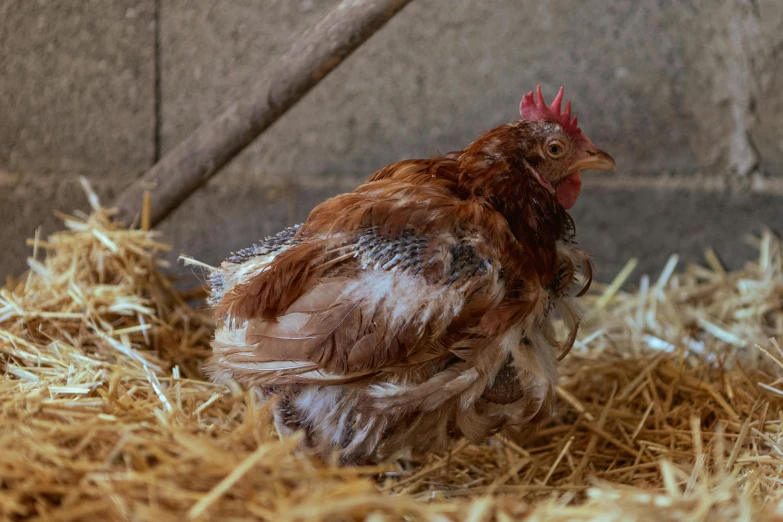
x=417 y=303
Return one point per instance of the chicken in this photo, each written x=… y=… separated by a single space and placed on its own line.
x=416 y=309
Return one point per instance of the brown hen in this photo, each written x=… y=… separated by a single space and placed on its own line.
x=416 y=308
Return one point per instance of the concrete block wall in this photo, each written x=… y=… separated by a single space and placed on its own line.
x=77 y=97
x=686 y=97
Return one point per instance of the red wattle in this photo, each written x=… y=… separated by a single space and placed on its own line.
x=568 y=190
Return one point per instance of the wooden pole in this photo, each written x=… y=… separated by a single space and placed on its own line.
x=202 y=154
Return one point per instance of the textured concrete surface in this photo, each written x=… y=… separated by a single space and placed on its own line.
x=665 y=86
x=28 y=202
x=24 y=206
x=77 y=86
x=76 y=98
x=767 y=134
x=651 y=224
x=689 y=94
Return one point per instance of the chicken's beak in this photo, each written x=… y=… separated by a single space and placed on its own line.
x=595 y=160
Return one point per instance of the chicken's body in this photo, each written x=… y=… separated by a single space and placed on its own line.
x=410 y=311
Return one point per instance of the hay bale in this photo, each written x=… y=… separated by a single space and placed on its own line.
x=670 y=407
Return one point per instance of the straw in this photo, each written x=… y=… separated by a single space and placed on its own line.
x=669 y=406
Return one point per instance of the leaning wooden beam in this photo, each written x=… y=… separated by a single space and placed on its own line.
x=202 y=154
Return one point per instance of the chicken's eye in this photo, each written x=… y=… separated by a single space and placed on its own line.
x=555 y=149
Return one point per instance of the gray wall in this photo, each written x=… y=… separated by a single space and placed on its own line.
x=686 y=96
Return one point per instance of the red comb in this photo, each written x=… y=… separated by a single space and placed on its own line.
x=537 y=110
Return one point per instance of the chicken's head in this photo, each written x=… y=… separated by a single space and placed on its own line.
x=557 y=150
